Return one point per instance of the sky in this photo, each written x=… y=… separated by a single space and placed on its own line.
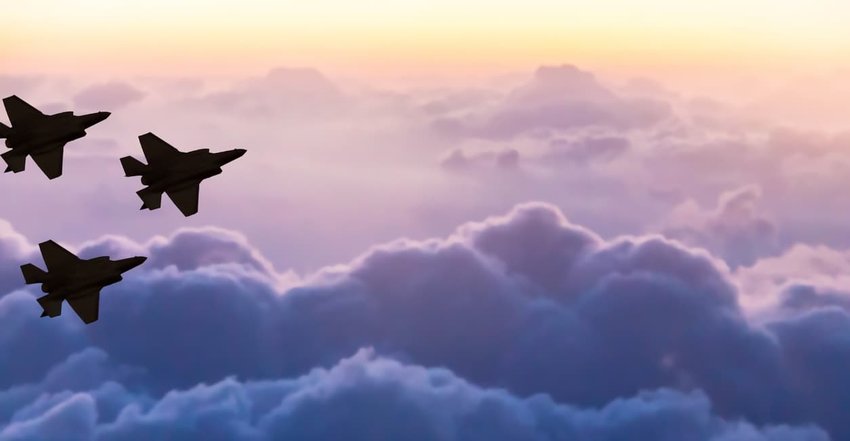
x=410 y=37
x=507 y=220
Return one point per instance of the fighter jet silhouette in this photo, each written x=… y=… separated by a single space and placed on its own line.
x=41 y=136
x=178 y=174
x=76 y=280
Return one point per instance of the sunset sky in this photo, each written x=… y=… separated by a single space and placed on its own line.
x=381 y=36
x=501 y=220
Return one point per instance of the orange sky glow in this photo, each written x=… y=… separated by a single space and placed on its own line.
x=391 y=36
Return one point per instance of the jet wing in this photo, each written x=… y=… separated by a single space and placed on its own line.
x=19 y=111
x=86 y=304
x=55 y=256
x=186 y=199
x=156 y=150
x=50 y=160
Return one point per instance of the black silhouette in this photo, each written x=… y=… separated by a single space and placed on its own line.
x=178 y=174
x=41 y=136
x=76 y=280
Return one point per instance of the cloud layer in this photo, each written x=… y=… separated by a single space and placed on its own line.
x=618 y=155
x=524 y=324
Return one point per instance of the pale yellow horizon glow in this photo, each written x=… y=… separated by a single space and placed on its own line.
x=230 y=36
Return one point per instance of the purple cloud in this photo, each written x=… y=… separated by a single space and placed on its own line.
x=282 y=91
x=557 y=99
x=526 y=302
x=593 y=148
x=802 y=278
x=457 y=160
x=369 y=397
x=109 y=96
x=735 y=229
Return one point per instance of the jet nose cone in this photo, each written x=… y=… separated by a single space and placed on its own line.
x=231 y=155
x=94 y=118
x=132 y=262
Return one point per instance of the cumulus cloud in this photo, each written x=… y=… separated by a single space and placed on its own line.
x=802 y=278
x=108 y=96
x=734 y=229
x=369 y=397
x=558 y=98
x=187 y=249
x=14 y=248
x=283 y=91
x=526 y=302
x=386 y=153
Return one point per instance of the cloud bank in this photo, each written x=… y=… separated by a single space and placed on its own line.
x=524 y=326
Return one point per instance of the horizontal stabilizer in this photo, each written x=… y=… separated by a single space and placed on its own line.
x=33 y=274
x=52 y=306
x=151 y=199
x=15 y=162
x=4 y=130
x=132 y=166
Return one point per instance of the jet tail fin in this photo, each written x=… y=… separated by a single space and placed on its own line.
x=4 y=130
x=33 y=274
x=52 y=306
x=150 y=199
x=15 y=162
x=132 y=166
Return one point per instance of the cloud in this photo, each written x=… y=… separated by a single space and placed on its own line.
x=457 y=160
x=802 y=278
x=804 y=297
x=14 y=250
x=283 y=91
x=589 y=149
x=558 y=98
x=187 y=249
x=385 y=149
x=735 y=229
x=371 y=397
x=529 y=302
x=108 y=96
x=816 y=101
x=525 y=302
x=19 y=84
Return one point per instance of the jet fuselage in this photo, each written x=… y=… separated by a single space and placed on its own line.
x=78 y=277
x=188 y=169
x=43 y=133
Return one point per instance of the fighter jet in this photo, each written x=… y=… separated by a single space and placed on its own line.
x=43 y=137
x=76 y=280
x=175 y=173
